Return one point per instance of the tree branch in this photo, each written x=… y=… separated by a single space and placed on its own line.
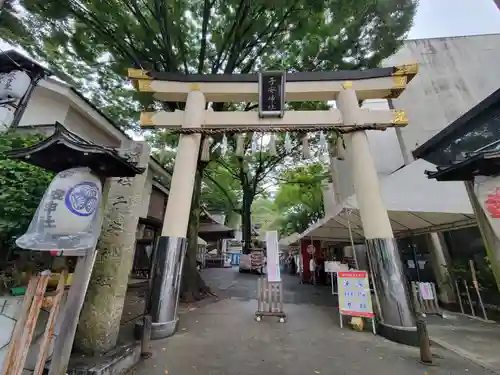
x=207 y=7
x=223 y=191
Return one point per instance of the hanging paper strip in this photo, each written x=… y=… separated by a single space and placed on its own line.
x=223 y=149
x=240 y=145
x=272 y=145
x=205 y=150
x=254 y=143
x=323 y=146
x=306 y=151
x=288 y=142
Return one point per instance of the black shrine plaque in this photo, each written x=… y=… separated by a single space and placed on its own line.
x=272 y=94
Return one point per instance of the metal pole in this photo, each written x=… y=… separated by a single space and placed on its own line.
x=476 y=286
x=470 y=300
x=23 y=103
x=459 y=296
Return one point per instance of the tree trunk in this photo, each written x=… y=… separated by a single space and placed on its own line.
x=193 y=286
x=246 y=221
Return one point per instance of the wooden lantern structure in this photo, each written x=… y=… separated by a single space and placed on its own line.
x=61 y=151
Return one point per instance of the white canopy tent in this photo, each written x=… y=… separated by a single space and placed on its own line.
x=415 y=205
x=291 y=240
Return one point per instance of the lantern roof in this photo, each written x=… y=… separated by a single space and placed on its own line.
x=12 y=60
x=64 y=150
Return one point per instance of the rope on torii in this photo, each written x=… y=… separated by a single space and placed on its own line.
x=309 y=128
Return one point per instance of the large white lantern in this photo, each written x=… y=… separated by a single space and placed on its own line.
x=68 y=217
x=6 y=117
x=14 y=84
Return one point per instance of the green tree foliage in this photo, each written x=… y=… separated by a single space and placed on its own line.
x=265 y=214
x=21 y=188
x=90 y=43
x=300 y=197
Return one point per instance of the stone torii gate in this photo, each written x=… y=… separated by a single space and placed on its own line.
x=272 y=90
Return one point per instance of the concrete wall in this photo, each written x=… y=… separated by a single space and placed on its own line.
x=80 y=125
x=45 y=107
x=454 y=75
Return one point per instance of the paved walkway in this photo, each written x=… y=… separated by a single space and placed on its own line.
x=223 y=338
x=476 y=340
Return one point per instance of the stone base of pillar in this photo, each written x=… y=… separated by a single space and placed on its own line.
x=395 y=312
x=168 y=260
x=401 y=335
x=159 y=331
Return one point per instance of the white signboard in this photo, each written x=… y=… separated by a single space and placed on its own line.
x=273 y=261
x=354 y=294
x=332 y=267
x=425 y=290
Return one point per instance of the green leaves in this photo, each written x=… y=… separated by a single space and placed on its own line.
x=21 y=185
x=300 y=197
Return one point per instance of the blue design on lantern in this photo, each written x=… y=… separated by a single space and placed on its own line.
x=82 y=199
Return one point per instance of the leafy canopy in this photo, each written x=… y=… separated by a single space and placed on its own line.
x=21 y=188
x=300 y=197
x=90 y=43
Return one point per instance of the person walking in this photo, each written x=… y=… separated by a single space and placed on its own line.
x=312 y=270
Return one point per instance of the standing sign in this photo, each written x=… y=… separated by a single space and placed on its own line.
x=354 y=295
x=273 y=264
x=272 y=94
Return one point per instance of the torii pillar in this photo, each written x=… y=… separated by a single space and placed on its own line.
x=397 y=321
x=171 y=249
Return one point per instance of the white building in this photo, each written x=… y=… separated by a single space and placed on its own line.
x=54 y=101
x=454 y=75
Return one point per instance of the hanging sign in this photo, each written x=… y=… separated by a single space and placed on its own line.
x=354 y=294
x=311 y=249
x=272 y=94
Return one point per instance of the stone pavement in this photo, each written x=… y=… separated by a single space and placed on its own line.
x=473 y=339
x=223 y=338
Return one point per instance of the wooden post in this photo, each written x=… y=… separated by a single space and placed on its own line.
x=424 y=342
x=73 y=306
x=29 y=329
x=51 y=322
x=8 y=364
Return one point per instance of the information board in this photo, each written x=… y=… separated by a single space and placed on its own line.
x=354 y=294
